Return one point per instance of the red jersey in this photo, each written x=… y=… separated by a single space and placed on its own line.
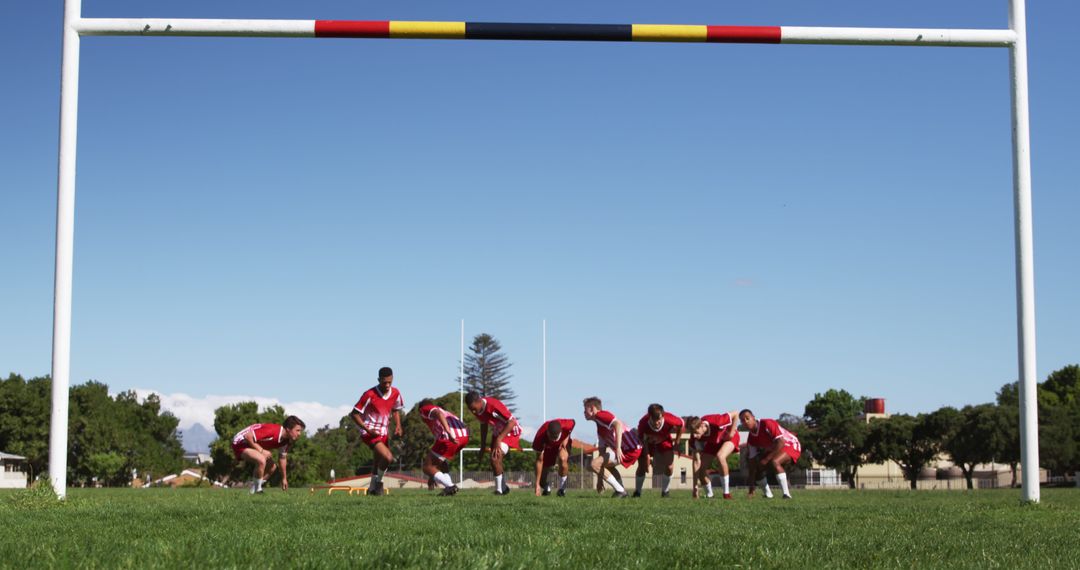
x=268 y=436
x=457 y=427
x=718 y=428
x=496 y=414
x=605 y=430
x=768 y=431
x=375 y=408
x=541 y=443
x=659 y=438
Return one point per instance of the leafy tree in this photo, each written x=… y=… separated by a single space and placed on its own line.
x=1008 y=407
x=836 y=436
x=911 y=441
x=105 y=467
x=1065 y=383
x=833 y=403
x=487 y=370
x=978 y=437
x=24 y=419
x=1059 y=421
x=102 y=427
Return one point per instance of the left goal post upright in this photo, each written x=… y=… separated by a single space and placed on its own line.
x=65 y=241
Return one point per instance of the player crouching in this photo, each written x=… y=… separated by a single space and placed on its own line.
x=551 y=445
x=253 y=444
x=659 y=432
x=714 y=436
x=505 y=433
x=771 y=447
x=618 y=446
x=451 y=435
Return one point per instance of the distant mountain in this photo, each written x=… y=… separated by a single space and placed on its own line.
x=197 y=439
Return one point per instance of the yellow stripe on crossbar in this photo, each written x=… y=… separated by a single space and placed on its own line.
x=434 y=30
x=655 y=33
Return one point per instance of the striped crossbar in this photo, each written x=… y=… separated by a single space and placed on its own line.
x=544 y=32
x=548 y=32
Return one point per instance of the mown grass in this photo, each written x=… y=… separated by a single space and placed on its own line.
x=214 y=528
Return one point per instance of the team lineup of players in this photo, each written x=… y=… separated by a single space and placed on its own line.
x=652 y=443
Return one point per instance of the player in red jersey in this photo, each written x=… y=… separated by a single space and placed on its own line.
x=771 y=447
x=655 y=429
x=618 y=446
x=505 y=435
x=253 y=444
x=715 y=436
x=372 y=415
x=552 y=445
x=451 y=435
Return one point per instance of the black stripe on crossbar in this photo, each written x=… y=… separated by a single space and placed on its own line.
x=555 y=32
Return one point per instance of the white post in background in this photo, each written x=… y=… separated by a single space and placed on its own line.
x=545 y=368
x=65 y=239
x=1025 y=265
x=461 y=395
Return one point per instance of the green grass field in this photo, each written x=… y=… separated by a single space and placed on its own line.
x=228 y=528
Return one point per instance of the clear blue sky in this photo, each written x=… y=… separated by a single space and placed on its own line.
x=708 y=226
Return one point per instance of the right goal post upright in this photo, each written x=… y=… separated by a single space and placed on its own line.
x=1025 y=263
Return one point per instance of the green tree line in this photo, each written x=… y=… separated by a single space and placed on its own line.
x=835 y=435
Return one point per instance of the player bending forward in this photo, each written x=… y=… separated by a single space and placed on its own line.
x=771 y=447
x=506 y=433
x=450 y=436
x=372 y=415
x=552 y=445
x=253 y=444
x=714 y=436
x=618 y=446
x=659 y=432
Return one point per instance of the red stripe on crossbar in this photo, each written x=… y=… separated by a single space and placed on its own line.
x=351 y=29
x=744 y=34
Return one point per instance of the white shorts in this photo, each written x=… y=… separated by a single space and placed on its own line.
x=610 y=454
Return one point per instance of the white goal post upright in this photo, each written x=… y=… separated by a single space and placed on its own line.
x=1014 y=38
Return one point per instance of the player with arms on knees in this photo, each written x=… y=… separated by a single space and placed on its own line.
x=618 y=446
x=771 y=447
x=505 y=434
x=253 y=444
x=715 y=436
x=552 y=445
x=659 y=432
x=451 y=435
x=372 y=415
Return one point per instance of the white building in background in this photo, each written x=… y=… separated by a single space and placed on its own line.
x=11 y=471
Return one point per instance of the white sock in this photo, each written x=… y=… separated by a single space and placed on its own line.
x=498 y=484
x=562 y=483
x=377 y=477
x=666 y=481
x=765 y=484
x=782 y=478
x=614 y=484
x=727 y=487
x=708 y=486
x=639 y=481
x=258 y=484
x=444 y=479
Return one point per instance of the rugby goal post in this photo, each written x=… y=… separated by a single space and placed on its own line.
x=1014 y=39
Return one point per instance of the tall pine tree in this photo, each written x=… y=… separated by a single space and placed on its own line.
x=487 y=370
